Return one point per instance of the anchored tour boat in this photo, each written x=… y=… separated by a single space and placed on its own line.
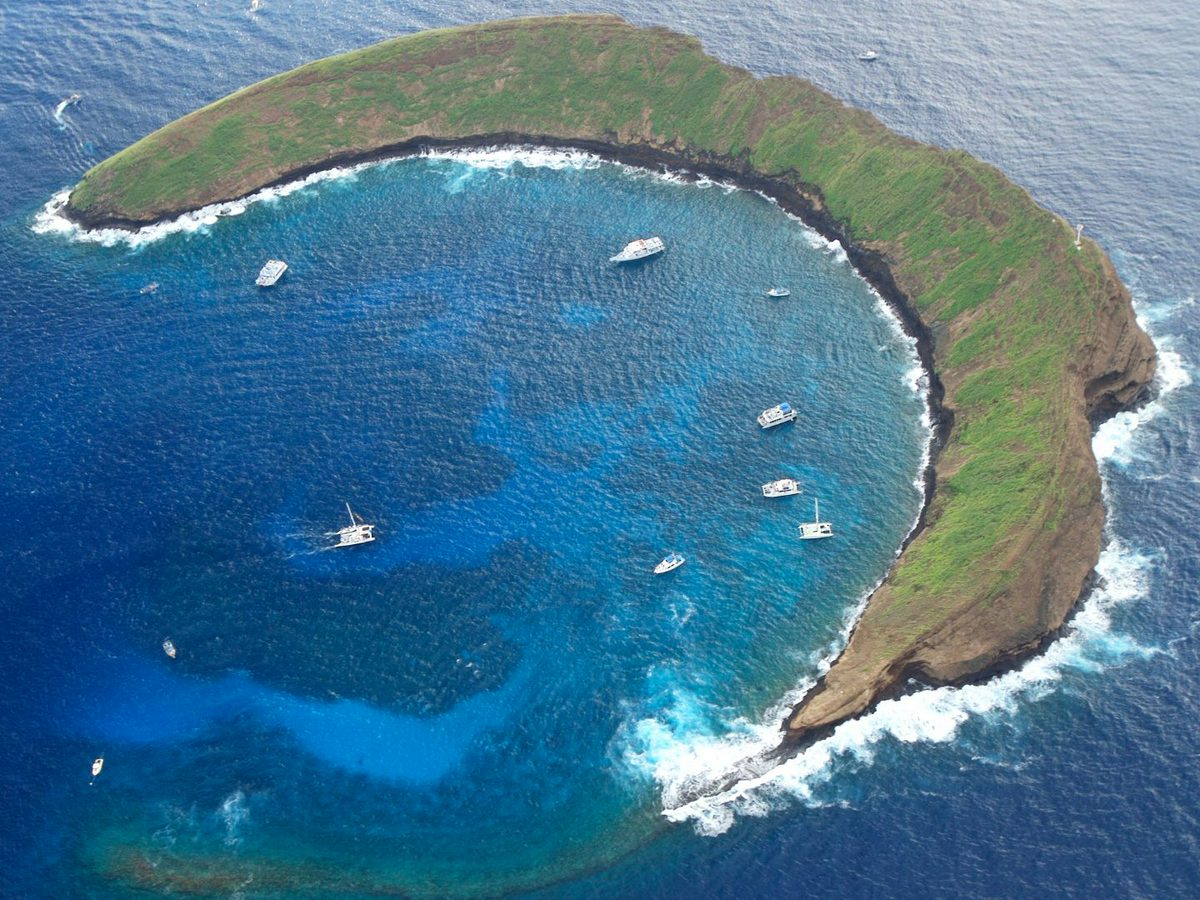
x=670 y=562
x=810 y=531
x=639 y=249
x=776 y=415
x=784 y=487
x=271 y=272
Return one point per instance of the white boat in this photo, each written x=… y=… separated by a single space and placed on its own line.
x=669 y=563
x=784 y=487
x=868 y=56
x=810 y=531
x=639 y=249
x=357 y=532
x=169 y=648
x=779 y=292
x=776 y=415
x=149 y=288
x=271 y=272
x=97 y=765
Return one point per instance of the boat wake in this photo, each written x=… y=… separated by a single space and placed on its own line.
x=710 y=769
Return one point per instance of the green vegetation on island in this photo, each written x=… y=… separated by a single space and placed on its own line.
x=1030 y=337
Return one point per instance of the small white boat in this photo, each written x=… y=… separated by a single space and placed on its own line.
x=97 y=766
x=784 y=487
x=639 y=249
x=169 y=648
x=150 y=288
x=669 y=563
x=779 y=292
x=868 y=56
x=776 y=415
x=810 y=531
x=357 y=532
x=271 y=272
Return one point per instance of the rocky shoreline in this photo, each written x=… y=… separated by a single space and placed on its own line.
x=1035 y=574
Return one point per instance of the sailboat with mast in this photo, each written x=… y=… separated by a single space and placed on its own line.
x=810 y=531
x=357 y=532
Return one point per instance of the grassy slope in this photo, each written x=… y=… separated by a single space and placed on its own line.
x=1014 y=304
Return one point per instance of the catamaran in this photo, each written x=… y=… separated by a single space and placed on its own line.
x=810 y=531
x=784 y=487
x=271 y=272
x=776 y=415
x=639 y=249
x=357 y=532
x=669 y=563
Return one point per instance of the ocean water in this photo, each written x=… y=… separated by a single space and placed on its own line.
x=496 y=696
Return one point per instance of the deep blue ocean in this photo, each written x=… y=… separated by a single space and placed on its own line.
x=497 y=696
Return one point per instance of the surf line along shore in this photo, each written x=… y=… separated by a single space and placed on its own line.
x=1027 y=339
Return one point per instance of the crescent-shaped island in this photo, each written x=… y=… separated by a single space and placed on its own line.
x=1028 y=335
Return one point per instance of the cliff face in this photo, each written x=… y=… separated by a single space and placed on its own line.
x=1028 y=338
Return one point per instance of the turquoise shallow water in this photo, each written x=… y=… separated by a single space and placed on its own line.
x=149 y=441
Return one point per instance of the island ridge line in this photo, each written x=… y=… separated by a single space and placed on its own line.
x=1028 y=340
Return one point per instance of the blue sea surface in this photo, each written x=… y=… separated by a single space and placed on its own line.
x=497 y=695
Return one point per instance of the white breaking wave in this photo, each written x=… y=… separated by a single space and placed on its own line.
x=504 y=158
x=710 y=768
x=50 y=219
x=1116 y=440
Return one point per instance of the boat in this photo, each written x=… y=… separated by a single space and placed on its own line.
x=779 y=292
x=776 y=415
x=784 y=487
x=357 y=532
x=169 y=648
x=97 y=765
x=639 y=249
x=271 y=272
x=868 y=56
x=669 y=563
x=150 y=288
x=810 y=531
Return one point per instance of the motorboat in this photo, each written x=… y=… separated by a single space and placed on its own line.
x=810 y=531
x=357 y=532
x=779 y=292
x=271 y=272
x=97 y=766
x=868 y=56
x=783 y=487
x=669 y=563
x=639 y=249
x=169 y=648
x=776 y=415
